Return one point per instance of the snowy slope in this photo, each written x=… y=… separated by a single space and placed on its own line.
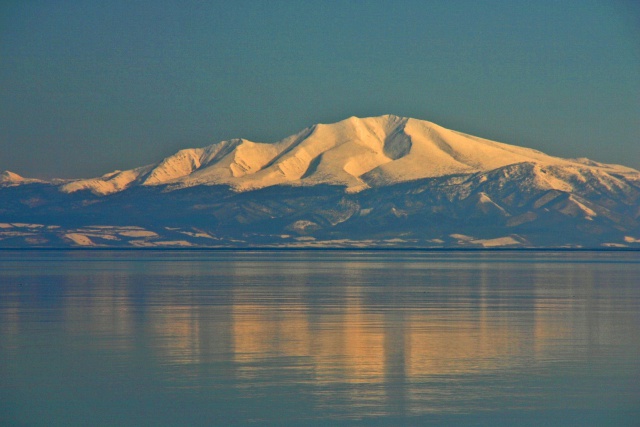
x=8 y=179
x=356 y=153
x=393 y=182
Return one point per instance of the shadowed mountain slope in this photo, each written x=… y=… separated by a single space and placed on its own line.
x=382 y=181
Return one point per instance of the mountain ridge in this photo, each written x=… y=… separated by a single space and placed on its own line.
x=383 y=181
x=356 y=153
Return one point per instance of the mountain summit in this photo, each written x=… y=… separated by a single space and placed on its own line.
x=377 y=181
x=355 y=153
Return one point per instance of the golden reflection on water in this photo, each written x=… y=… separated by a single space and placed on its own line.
x=345 y=331
x=102 y=311
x=10 y=326
x=354 y=343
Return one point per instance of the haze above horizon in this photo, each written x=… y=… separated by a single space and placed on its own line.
x=90 y=87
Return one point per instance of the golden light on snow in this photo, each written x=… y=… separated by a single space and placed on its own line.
x=357 y=153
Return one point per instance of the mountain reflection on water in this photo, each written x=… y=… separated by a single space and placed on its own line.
x=353 y=335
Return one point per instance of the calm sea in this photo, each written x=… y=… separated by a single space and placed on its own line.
x=134 y=338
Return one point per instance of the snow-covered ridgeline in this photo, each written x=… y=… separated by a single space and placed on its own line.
x=356 y=153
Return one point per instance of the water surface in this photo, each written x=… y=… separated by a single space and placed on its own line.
x=134 y=338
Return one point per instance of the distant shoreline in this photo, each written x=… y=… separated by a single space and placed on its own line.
x=310 y=249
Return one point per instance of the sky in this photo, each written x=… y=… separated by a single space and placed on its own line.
x=89 y=86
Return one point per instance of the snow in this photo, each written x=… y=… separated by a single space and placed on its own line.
x=138 y=233
x=26 y=225
x=250 y=157
x=486 y=205
x=9 y=179
x=172 y=243
x=356 y=153
x=199 y=234
x=614 y=245
x=497 y=242
x=181 y=164
x=461 y=237
x=575 y=208
x=79 y=239
x=107 y=184
x=302 y=226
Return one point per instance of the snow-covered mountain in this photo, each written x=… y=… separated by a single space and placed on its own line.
x=8 y=178
x=378 y=181
x=355 y=153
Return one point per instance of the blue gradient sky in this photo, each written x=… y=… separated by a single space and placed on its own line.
x=87 y=86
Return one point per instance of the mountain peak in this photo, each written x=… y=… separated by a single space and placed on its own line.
x=355 y=153
x=433 y=187
x=10 y=177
